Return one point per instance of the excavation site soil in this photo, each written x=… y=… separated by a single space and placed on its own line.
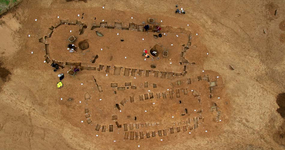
x=142 y=75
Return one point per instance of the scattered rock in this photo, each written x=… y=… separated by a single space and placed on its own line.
x=70 y=99
x=231 y=67
x=99 y=34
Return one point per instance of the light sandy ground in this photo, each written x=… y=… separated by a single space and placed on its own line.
x=32 y=117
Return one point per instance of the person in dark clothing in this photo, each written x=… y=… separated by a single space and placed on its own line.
x=146 y=27
x=177 y=11
x=61 y=77
x=76 y=70
x=56 y=66
x=71 y=46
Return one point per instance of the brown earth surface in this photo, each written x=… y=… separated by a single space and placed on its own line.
x=237 y=45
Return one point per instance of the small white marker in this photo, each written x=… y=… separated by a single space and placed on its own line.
x=80 y=102
x=106 y=75
x=207 y=53
x=194 y=109
x=101 y=49
x=125 y=57
x=161 y=140
x=148 y=90
x=81 y=121
x=219 y=98
x=29 y=35
x=145 y=111
x=97 y=135
x=57 y=16
x=172 y=116
x=220 y=120
x=160 y=20
x=103 y=7
x=139 y=146
x=81 y=83
x=118 y=33
x=32 y=52
x=120 y=110
x=203 y=71
x=153 y=103
x=145 y=59
x=78 y=15
x=60 y=98
x=132 y=17
x=192 y=90
x=170 y=63
x=142 y=38
x=217 y=76
x=188 y=25
x=171 y=44
x=36 y=19
x=114 y=140
x=196 y=33
x=100 y=99
x=164 y=33
x=103 y=20
x=176 y=35
x=189 y=132
x=45 y=61
x=167 y=89
x=135 y=77
x=206 y=131
x=70 y=31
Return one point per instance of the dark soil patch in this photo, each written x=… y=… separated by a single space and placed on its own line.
x=4 y=73
x=282 y=38
x=282 y=25
x=279 y=136
x=280 y=100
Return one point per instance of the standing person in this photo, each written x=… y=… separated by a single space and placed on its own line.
x=158 y=28
x=55 y=66
x=76 y=70
x=146 y=27
x=61 y=76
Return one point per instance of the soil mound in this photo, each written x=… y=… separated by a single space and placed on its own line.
x=83 y=45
